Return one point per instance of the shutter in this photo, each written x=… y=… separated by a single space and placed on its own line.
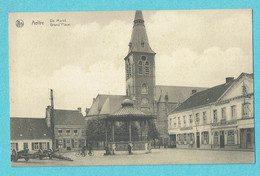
x=72 y=143
x=40 y=144
x=57 y=143
x=48 y=146
x=32 y=146
x=64 y=143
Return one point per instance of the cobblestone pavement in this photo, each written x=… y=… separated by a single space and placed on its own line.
x=158 y=156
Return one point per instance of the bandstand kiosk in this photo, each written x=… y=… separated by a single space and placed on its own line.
x=129 y=114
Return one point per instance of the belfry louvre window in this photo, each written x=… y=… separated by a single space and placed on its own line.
x=147 y=68
x=140 y=67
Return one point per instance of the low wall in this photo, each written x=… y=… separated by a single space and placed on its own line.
x=123 y=146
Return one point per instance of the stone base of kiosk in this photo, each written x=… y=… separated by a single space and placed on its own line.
x=123 y=146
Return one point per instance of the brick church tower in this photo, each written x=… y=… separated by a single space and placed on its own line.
x=140 y=68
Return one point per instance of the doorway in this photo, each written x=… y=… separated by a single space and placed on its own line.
x=222 y=139
x=198 y=139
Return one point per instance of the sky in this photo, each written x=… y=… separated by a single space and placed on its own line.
x=86 y=57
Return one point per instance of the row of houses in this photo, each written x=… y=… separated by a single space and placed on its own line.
x=60 y=129
x=218 y=117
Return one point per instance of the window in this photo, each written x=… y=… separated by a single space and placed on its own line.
x=83 y=131
x=142 y=44
x=170 y=123
x=215 y=140
x=197 y=117
x=14 y=146
x=144 y=89
x=68 y=141
x=230 y=137
x=245 y=110
x=35 y=146
x=205 y=117
x=205 y=137
x=126 y=71
x=75 y=143
x=233 y=112
x=59 y=132
x=147 y=68
x=191 y=119
x=184 y=120
x=143 y=58
x=223 y=113
x=215 y=116
x=174 y=125
x=44 y=146
x=25 y=145
x=179 y=121
x=75 y=132
x=185 y=137
x=68 y=132
x=60 y=143
x=140 y=67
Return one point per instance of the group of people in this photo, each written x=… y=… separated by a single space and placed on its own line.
x=89 y=148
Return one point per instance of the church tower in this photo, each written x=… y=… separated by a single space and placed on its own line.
x=140 y=67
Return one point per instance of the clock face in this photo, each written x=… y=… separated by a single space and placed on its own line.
x=145 y=101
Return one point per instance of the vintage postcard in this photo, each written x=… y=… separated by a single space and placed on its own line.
x=131 y=88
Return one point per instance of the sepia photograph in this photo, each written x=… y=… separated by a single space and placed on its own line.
x=137 y=87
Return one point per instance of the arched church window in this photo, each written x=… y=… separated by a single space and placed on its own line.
x=147 y=68
x=144 y=89
x=140 y=67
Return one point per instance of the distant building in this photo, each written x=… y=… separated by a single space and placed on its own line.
x=140 y=84
x=68 y=128
x=219 y=117
x=30 y=133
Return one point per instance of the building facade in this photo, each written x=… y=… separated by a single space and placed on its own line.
x=68 y=128
x=219 y=117
x=30 y=133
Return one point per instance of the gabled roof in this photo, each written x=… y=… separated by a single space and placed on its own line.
x=175 y=94
x=68 y=117
x=105 y=104
x=29 y=128
x=208 y=96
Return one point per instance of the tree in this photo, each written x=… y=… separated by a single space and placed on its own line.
x=153 y=132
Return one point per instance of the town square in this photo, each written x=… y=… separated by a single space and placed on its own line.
x=203 y=119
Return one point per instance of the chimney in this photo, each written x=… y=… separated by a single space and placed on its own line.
x=87 y=110
x=229 y=79
x=193 y=91
x=48 y=116
x=166 y=97
x=79 y=109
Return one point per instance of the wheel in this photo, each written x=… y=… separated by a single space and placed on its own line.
x=26 y=158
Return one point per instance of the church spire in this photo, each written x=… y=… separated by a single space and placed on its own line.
x=139 y=40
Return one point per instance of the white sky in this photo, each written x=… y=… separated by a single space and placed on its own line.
x=194 y=48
